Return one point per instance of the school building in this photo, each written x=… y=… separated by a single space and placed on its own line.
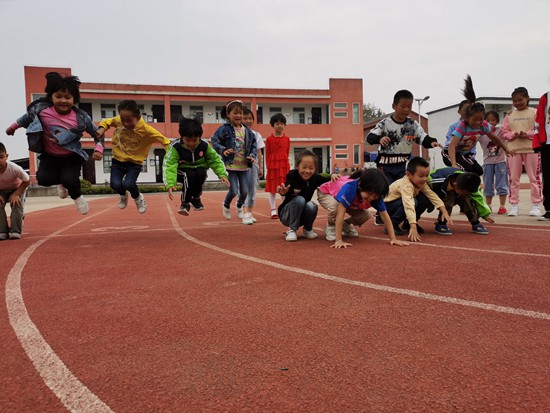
x=328 y=122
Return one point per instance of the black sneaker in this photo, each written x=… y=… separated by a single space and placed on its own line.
x=407 y=227
x=197 y=204
x=397 y=231
x=545 y=217
x=184 y=209
x=378 y=221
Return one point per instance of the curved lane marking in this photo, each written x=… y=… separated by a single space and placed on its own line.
x=73 y=394
x=378 y=287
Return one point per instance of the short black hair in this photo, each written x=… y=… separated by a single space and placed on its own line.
x=247 y=111
x=190 y=128
x=373 y=181
x=493 y=113
x=303 y=154
x=468 y=181
x=131 y=106
x=402 y=94
x=415 y=163
x=2 y=148
x=55 y=82
x=278 y=117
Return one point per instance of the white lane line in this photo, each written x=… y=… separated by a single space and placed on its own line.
x=378 y=287
x=73 y=394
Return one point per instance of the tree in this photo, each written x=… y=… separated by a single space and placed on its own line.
x=371 y=112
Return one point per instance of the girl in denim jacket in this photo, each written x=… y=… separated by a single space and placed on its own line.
x=54 y=128
x=236 y=144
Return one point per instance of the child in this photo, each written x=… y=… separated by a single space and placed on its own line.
x=395 y=135
x=456 y=187
x=131 y=142
x=468 y=132
x=409 y=197
x=541 y=145
x=495 y=170
x=277 y=149
x=54 y=128
x=187 y=159
x=13 y=184
x=297 y=209
x=257 y=169
x=236 y=144
x=462 y=106
x=354 y=195
x=518 y=129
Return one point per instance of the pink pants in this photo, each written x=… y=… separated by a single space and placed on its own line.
x=532 y=167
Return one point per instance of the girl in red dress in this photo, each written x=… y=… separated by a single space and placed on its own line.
x=277 y=149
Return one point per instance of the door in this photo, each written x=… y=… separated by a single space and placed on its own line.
x=319 y=153
x=88 y=167
x=159 y=159
x=316 y=116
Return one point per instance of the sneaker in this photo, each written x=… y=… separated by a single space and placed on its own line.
x=480 y=229
x=184 y=209
x=378 y=221
x=141 y=204
x=545 y=217
x=123 y=201
x=310 y=234
x=240 y=212
x=3 y=236
x=349 y=230
x=15 y=235
x=535 y=211
x=407 y=227
x=254 y=220
x=330 y=233
x=81 y=205
x=442 y=229
x=514 y=210
x=247 y=219
x=291 y=236
x=502 y=210
x=226 y=212
x=197 y=204
x=62 y=192
x=274 y=214
x=397 y=231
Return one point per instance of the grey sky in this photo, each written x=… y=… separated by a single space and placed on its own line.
x=426 y=46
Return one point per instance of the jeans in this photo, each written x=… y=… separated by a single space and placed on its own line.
x=253 y=179
x=495 y=175
x=192 y=180
x=396 y=209
x=238 y=184
x=16 y=217
x=298 y=212
x=124 y=176
x=64 y=170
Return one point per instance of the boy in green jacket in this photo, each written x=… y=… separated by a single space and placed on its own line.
x=187 y=159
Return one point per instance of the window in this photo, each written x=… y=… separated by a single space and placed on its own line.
x=175 y=113
x=86 y=107
x=108 y=110
x=340 y=114
x=274 y=110
x=260 y=115
x=219 y=114
x=340 y=105
x=158 y=113
x=196 y=112
x=299 y=115
x=356 y=113
x=341 y=147
x=356 y=152
x=341 y=156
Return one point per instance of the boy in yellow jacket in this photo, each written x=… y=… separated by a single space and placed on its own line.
x=131 y=142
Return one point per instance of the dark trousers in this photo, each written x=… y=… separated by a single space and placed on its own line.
x=55 y=170
x=396 y=209
x=124 y=177
x=393 y=171
x=466 y=204
x=192 y=180
x=545 y=168
x=298 y=212
x=466 y=160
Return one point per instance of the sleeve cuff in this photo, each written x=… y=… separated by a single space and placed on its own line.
x=99 y=148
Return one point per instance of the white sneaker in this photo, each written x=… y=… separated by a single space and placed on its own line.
x=141 y=204
x=349 y=230
x=81 y=205
x=291 y=235
x=247 y=219
x=15 y=235
x=3 y=236
x=514 y=210
x=123 y=201
x=535 y=211
x=310 y=234
x=62 y=192
x=330 y=232
x=240 y=212
x=254 y=220
x=226 y=212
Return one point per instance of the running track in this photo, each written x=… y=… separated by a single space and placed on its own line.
x=117 y=311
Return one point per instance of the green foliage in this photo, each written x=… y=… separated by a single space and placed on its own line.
x=89 y=189
x=371 y=112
